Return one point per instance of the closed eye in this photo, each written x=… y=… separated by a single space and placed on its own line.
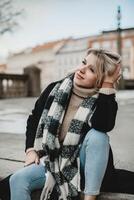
x=84 y=62
x=92 y=70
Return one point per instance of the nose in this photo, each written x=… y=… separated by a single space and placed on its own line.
x=82 y=68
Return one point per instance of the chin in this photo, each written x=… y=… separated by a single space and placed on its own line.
x=77 y=81
x=81 y=84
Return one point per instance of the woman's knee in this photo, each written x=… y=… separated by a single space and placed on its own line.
x=17 y=180
x=97 y=138
x=28 y=178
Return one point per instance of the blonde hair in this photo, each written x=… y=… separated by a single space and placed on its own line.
x=106 y=62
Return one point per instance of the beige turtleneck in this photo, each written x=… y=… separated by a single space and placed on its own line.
x=78 y=94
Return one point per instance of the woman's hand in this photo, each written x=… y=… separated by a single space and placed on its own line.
x=32 y=157
x=109 y=80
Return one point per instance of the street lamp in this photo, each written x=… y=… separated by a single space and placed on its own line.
x=119 y=43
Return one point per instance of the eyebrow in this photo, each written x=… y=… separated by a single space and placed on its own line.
x=85 y=62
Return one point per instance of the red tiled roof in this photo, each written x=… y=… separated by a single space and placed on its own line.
x=48 y=45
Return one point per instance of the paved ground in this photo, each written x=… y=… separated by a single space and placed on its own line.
x=13 y=116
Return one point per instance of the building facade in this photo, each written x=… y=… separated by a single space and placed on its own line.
x=56 y=58
x=42 y=56
x=71 y=55
x=108 y=40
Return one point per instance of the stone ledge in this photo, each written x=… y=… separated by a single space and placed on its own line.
x=115 y=196
x=102 y=196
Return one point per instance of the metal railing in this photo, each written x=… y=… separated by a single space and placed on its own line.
x=13 y=85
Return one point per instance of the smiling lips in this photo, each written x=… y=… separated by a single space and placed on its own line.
x=79 y=76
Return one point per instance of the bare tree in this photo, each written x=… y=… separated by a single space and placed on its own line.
x=8 y=16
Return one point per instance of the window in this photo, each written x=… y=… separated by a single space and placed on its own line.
x=126 y=72
x=125 y=54
x=96 y=45
x=106 y=45
x=127 y=43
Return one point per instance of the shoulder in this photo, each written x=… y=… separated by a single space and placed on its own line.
x=43 y=96
x=48 y=89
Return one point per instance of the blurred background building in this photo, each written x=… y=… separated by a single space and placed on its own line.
x=56 y=58
x=30 y=70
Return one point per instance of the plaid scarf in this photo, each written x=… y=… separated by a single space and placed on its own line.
x=62 y=160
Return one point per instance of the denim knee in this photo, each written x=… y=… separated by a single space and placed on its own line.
x=93 y=158
x=97 y=138
x=17 y=180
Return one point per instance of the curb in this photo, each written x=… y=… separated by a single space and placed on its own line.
x=102 y=196
x=115 y=196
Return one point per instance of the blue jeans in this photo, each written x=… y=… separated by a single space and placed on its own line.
x=94 y=155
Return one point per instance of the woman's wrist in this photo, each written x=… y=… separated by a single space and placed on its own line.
x=107 y=91
x=107 y=84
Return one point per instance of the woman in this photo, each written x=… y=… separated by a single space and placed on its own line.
x=71 y=154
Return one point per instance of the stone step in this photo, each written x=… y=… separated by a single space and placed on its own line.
x=13 y=159
x=102 y=196
x=9 y=166
x=115 y=196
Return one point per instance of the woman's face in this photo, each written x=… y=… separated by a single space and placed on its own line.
x=85 y=76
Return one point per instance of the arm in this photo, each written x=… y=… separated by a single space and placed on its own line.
x=32 y=124
x=34 y=117
x=104 y=116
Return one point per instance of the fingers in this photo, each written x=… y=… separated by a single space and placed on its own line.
x=32 y=158
x=117 y=75
x=27 y=163
x=37 y=160
x=118 y=70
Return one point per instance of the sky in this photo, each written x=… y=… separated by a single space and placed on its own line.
x=48 y=20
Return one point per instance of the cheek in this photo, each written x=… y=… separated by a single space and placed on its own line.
x=91 y=80
x=78 y=68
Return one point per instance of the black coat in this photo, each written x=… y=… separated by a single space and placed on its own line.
x=103 y=119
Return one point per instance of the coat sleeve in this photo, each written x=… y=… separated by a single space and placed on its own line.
x=34 y=117
x=104 y=116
